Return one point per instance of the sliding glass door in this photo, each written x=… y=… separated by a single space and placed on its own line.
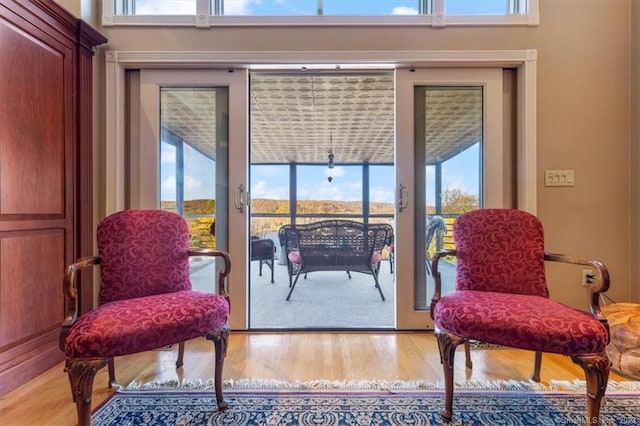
x=450 y=143
x=448 y=132
x=188 y=155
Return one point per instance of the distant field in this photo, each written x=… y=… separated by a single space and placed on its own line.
x=200 y=215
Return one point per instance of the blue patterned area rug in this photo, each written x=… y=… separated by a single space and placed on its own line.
x=374 y=407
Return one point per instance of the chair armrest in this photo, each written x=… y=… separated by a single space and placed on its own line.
x=222 y=275
x=436 y=276
x=70 y=293
x=601 y=284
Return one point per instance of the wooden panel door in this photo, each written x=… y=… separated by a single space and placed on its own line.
x=45 y=185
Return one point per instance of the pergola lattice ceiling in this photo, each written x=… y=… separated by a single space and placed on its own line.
x=299 y=117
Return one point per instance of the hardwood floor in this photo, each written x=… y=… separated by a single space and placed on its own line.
x=291 y=357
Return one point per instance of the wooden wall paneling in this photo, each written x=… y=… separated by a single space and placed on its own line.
x=36 y=126
x=32 y=264
x=46 y=197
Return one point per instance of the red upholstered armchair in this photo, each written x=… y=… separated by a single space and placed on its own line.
x=501 y=297
x=145 y=300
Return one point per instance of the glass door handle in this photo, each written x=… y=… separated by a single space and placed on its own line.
x=238 y=200
x=403 y=197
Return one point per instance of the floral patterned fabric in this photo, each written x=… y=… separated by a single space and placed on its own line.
x=527 y=322
x=501 y=293
x=500 y=250
x=145 y=297
x=142 y=252
x=145 y=323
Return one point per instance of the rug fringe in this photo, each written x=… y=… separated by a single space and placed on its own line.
x=385 y=385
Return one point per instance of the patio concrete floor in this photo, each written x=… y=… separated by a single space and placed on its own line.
x=324 y=300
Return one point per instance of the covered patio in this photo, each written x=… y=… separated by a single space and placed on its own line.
x=319 y=124
x=325 y=300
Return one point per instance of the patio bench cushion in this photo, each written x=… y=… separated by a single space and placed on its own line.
x=294 y=257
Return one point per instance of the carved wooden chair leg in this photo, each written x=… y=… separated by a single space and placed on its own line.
x=112 y=372
x=467 y=355
x=537 y=363
x=81 y=375
x=596 y=369
x=180 y=360
x=220 y=341
x=447 y=343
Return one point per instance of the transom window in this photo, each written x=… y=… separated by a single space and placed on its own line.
x=205 y=13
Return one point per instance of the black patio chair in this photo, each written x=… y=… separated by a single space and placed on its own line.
x=263 y=250
x=436 y=227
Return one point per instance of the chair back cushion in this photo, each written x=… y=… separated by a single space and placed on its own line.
x=500 y=250
x=142 y=253
x=261 y=248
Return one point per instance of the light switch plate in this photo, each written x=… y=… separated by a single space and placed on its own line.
x=559 y=178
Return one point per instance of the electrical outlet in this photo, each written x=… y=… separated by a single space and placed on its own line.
x=587 y=277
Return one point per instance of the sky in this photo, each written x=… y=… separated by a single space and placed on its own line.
x=272 y=182
x=283 y=7
x=330 y=7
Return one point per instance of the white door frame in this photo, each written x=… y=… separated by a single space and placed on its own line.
x=493 y=176
x=117 y=62
x=145 y=179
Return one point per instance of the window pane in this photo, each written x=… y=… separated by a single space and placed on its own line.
x=269 y=191
x=477 y=7
x=319 y=7
x=270 y=188
x=369 y=7
x=168 y=187
x=200 y=180
x=449 y=146
x=271 y=8
x=322 y=190
x=188 y=160
x=164 y=7
x=322 y=7
x=381 y=189
x=453 y=129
